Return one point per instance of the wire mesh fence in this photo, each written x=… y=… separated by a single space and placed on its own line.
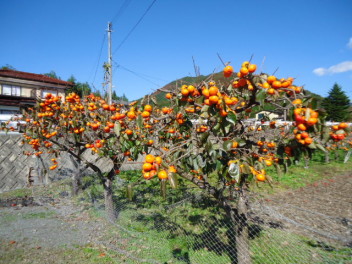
x=188 y=226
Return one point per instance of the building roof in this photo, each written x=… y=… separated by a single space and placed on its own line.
x=32 y=77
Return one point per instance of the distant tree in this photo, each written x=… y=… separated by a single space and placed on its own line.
x=97 y=93
x=337 y=105
x=52 y=74
x=79 y=88
x=8 y=67
x=114 y=96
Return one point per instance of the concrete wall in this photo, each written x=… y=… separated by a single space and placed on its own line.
x=16 y=168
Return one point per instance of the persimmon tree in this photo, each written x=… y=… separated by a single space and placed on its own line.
x=79 y=125
x=205 y=137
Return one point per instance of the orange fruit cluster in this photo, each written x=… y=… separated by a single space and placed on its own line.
x=304 y=119
x=339 y=132
x=151 y=167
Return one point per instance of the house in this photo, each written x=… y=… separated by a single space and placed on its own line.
x=269 y=115
x=19 y=90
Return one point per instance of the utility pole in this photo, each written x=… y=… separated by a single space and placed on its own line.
x=109 y=63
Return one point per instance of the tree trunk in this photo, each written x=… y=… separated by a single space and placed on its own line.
x=327 y=157
x=239 y=250
x=347 y=157
x=110 y=208
x=76 y=177
x=337 y=155
x=76 y=182
x=242 y=235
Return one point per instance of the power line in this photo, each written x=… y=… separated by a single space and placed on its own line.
x=135 y=26
x=136 y=74
x=121 y=10
x=142 y=74
x=100 y=52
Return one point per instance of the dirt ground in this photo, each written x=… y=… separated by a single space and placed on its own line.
x=54 y=232
x=322 y=210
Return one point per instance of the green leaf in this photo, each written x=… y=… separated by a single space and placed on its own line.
x=204 y=112
x=129 y=192
x=173 y=180
x=312 y=146
x=246 y=169
x=319 y=146
x=241 y=142
x=195 y=163
x=154 y=100
x=139 y=121
x=261 y=95
x=200 y=161
x=227 y=145
x=163 y=188
x=117 y=128
x=231 y=117
x=204 y=137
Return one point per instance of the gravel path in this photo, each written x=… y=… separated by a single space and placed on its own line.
x=57 y=224
x=322 y=209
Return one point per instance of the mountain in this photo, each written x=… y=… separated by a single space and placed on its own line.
x=188 y=80
x=217 y=77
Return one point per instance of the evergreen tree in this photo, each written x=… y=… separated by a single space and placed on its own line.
x=52 y=74
x=8 y=67
x=114 y=96
x=79 y=88
x=337 y=105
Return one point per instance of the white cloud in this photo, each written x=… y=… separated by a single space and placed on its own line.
x=338 y=68
x=349 y=44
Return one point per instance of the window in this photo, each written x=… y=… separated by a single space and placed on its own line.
x=9 y=112
x=45 y=92
x=11 y=90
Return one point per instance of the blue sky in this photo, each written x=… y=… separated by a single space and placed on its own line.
x=309 y=40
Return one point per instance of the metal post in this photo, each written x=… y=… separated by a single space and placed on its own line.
x=109 y=63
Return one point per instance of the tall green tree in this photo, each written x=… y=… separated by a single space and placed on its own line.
x=8 y=67
x=79 y=88
x=337 y=105
x=52 y=74
x=114 y=96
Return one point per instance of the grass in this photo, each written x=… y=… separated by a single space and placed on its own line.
x=53 y=190
x=187 y=233
x=168 y=236
x=26 y=254
x=298 y=176
x=38 y=215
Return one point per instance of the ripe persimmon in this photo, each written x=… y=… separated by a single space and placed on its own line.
x=213 y=90
x=162 y=175
x=184 y=92
x=302 y=127
x=228 y=70
x=131 y=115
x=213 y=99
x=276 y=84
x=158 y=160
x=252 y=68
x=149 y=158
x=343 y=125
x=271 y=79
x=129 y=132
x=145 y=114
x=147 y=166
x=260 y=177
x=235 y=144
x=244 y=71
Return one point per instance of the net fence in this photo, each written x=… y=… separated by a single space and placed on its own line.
x=188 y=226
